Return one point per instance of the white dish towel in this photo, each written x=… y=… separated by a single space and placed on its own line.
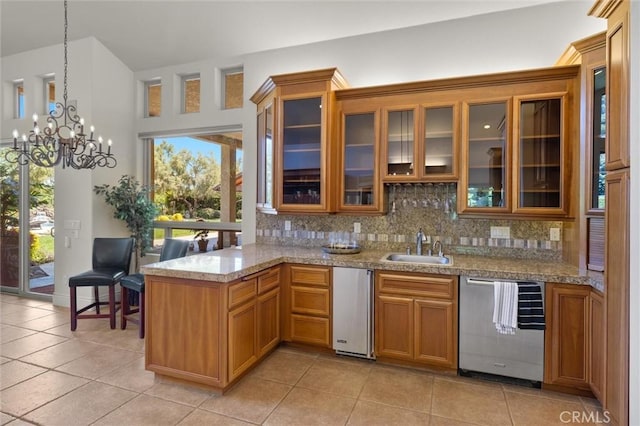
x=505 y=307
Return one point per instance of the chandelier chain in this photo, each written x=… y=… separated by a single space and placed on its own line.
x=66 y=29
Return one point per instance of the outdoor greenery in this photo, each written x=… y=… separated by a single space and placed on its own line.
x=189 y=183
x=132 y=205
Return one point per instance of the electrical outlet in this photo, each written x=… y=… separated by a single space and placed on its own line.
x=356 y=227
x=287 y=225
x=500 y=232
x=554 y=234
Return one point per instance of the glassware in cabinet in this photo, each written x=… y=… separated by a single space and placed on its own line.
x=302 y=151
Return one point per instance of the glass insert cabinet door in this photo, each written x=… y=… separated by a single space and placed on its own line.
x=438 y=141
x=540 y=153
x=598 y=160
x=485 y=134
x=265 y=159
x=400 y=143
x=302 y=151
x=359 y=177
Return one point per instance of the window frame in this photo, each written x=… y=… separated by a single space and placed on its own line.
x=19 y=106
x=46 y=84
x=147 y=85
x=184 y=80
x=224 y=72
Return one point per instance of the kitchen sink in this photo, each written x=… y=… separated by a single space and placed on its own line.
x=415 y=258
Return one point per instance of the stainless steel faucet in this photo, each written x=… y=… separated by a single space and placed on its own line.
x=419 y=239
x=438 y=244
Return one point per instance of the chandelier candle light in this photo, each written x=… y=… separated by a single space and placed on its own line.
x=63 y=139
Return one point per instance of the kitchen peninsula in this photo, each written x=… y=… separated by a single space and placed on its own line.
x=213 y=316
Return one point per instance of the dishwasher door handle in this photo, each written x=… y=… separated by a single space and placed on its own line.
x=473 y=281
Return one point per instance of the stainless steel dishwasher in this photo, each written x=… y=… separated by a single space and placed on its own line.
x=483 y=350
x=353 y=312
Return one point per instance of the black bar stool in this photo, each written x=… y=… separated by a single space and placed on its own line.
x=110 y=263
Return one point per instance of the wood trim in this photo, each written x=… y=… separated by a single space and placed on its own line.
x=604 y=8
x=458 y=83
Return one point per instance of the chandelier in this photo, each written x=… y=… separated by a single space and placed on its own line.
x=63 y=139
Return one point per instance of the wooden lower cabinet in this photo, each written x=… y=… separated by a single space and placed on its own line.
x=268 y=321
x=597 y=345
x=208 y=332
x=243 y=351
x=308 y=310
x=567 y=336
x=416 y=318
x=186 y=330
x=434 y=339
x=394 y=327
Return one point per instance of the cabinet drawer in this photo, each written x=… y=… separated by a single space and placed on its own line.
x=241 y=292
x=312 y=330
x=269 y=280
x=311 y=275
x=310 y=300
x=423 y=285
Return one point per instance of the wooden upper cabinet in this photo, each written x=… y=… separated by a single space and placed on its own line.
x=506 y=138
x=420 y=143
x=618 y=85
x=399 y=130
x=360 y=186
x=539 y=154
x=485 y=181
x=298 y=166
x=439 y=141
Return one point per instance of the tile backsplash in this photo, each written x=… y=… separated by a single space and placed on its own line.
x=397 y=230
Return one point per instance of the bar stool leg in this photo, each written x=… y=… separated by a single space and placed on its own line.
x=73 y=308
x=141 y=305
x=124 y=307
x=96 y=298
x=112 y=306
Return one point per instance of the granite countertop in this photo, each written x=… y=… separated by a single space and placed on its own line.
x=232 y=263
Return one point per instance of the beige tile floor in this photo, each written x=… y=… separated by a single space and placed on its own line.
x=95 y=375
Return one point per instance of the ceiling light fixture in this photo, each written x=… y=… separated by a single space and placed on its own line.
x=63 y=139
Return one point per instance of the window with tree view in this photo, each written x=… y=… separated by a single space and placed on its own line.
x=198 y=178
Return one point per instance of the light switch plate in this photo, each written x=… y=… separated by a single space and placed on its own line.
x=500 y=232
x=287 y=225
x=554 y=234
x=356 y=227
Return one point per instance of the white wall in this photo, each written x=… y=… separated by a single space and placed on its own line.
x=102 y=86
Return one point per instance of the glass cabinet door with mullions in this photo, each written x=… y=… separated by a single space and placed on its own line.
x=302 y=154
x=400 y=144
x=359 y=179
x=539 y=155
x=485 y=134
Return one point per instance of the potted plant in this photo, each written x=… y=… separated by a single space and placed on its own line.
x=132 y=204
x=202 y=236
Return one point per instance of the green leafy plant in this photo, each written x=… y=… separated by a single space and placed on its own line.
x=201 y=235
x=132 y=204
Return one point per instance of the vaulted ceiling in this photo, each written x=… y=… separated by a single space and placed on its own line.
x=147 y=34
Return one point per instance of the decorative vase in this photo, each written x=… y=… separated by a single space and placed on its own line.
x=202 y=245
